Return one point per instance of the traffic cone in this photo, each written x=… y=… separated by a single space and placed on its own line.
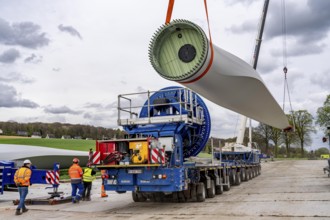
x=103 y=193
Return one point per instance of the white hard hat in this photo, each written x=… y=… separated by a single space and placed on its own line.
x=27 y=161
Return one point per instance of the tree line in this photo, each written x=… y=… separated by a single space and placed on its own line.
x=278 y=143
x=57 y=130
x=270 y=140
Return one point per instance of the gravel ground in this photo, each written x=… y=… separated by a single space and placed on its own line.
x=296 y=189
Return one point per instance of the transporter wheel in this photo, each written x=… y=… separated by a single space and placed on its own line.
x=175 y=197
x=200 y=192
x=157 y=197
x=249 y=172
x=138 y=197
x=181 y=197
x=243 y=175
x=226 y=187
x=219 y=189
x=246 y=170
x=193 y=192
x=253 y=172
x=232 y=177
x=238 y=179
x=187 y=192
x=211 y=191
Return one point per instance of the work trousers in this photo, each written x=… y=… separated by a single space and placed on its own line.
x=23 y=191
x=77 y=187
x=87 y=190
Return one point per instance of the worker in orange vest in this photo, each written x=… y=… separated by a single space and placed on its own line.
x=76 y=173
x=22 y=181
x=104 y=176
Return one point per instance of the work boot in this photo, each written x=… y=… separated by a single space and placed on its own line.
x=25 y=209
x=18 y=212
x=88 y=199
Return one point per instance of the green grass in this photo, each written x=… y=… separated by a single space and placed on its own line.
x=290 y=158
x=65 y=176
x=204 y=155
x=69 y=144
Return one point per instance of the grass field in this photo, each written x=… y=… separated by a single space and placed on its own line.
x=70 y=144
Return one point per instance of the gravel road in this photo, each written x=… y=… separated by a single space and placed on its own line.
x=295 y=189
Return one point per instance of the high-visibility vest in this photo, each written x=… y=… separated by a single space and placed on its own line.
x=22 y=176
x=75 y=172
x=88 y=177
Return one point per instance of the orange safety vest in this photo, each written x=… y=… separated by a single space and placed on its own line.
x=75 y=172
x=22 y=176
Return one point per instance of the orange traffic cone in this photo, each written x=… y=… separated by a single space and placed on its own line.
x=103 y=193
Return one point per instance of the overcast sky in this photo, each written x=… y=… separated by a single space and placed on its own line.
x=67 y=61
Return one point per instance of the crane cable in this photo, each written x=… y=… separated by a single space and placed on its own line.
x=285 y=60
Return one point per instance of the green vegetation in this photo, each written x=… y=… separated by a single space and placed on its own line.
x=65 y=176
x=69 y=144
x=204 y=155
x=57 y=130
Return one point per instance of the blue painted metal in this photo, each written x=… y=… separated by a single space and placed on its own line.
x=7 y=173
x=147 y=181
x=194 y=136
x=6 y=176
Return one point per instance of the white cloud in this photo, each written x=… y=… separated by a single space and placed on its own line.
x=113 y=57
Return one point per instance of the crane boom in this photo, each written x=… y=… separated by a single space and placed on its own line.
x=243 y=119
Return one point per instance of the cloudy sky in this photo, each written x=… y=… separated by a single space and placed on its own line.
x=67 y=61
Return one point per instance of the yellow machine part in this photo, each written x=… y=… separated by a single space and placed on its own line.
x=140 y=151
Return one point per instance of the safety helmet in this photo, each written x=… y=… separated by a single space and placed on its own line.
x=75 y=160
x=27 y=161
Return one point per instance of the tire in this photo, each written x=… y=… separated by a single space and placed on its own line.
x=200 y=192
x=219 y=189
x=243 y=175
x=253 y=172
x=187 y=193
x=232 y=177
x=249 y=174
x=181 y=197
x=226 y=187
x=211 y=191
x=256 y=171
x=138 y=197
x=193 y=192
x=247 y=177
x=175 y=197
x=135 y=197
x=238 y=179
x=157 y=197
